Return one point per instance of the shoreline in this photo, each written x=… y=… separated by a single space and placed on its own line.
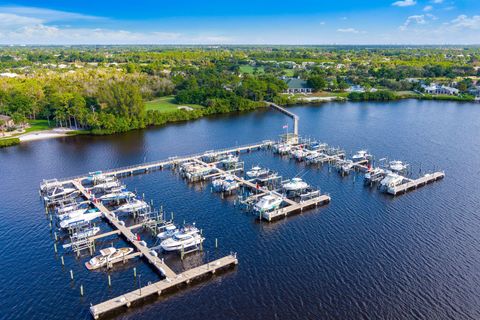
x=64 y=132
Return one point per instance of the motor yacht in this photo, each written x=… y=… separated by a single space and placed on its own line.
x=391 y=180
x=295 y=184
x=183 y=239
x=168 y=232
x=132 y=206
x=80 y=219
x=117 y=195
x=229 y=160
x=256 y=172
x=397 y=166
x=58 y=193
x=375 y=174
x=361 y=155
x=108 y=255
x=268 y=203
x=225 y=183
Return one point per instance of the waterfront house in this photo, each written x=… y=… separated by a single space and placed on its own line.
x=439 y=89
x=5 y=122
x=297 y=85
x=356 y=88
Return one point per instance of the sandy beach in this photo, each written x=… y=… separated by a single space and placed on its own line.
x=47 y=134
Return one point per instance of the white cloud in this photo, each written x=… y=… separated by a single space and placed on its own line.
x=428 y=8
x=465 y=22
x=418 y=19
x=46 y=15
x=404 y=3
x=437 y=1
x=349 y=30
x=322 y=23
x=10 y=20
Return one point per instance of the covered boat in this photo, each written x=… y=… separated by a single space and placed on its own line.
x=107 y=255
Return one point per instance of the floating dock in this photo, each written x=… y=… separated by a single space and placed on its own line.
x=157 y=288
x=414 y=184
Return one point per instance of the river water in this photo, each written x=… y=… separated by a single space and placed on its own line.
x=366 y=255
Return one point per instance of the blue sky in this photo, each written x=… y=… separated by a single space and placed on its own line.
x=240 y=22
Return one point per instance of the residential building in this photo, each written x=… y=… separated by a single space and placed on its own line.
x=297 y=85
x=439 y=89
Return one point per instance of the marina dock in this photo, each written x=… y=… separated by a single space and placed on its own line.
x=157 y=288
x=414 y=184
x=202 y=167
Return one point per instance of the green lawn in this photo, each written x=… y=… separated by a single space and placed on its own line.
x=39 y=125
x=167 y=104
x=249 y=69
x=288 y=72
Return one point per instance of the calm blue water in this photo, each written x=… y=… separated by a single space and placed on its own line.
x=364 y=256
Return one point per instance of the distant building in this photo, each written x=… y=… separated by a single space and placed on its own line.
x=296 y=85
x=356 y=88
x=7 y=121
x=439 y=89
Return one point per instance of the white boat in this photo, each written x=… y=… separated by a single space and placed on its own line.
x=284 y=148
x=72 y=214
x=107 y=185
x=168 y=232
x=79 y=219
x=295 y=184
x=299 y=154
x=49 y=184
x=361 y=155
x=268 y=203
x=86 y=233
x=391 y=180
x=397 y=166
x=58 y=192
x=312 y=155
x=374 y=174
x=117 y=195
x=226 y=183
x=229 y=160
x=132 y=206
x=182 y=239
x=69 y=208
x=256 y=172
x=346 y=166
x=107 y=255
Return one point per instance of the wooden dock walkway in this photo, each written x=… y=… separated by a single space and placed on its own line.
x=157 y=165
x=156 y=288
x=414 y=184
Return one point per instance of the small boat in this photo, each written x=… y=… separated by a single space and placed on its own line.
x=117 y=195
x=361 y=155
x=74 y=213
x=229 y=160
x=299 y=154
x=346 y=167
x=312 y=155
x=391 y=180
x=132 y=206
x=107 y=255
x=86 y=233
x=256 y=172
x=80 y=219
x=295 y=184
x=169 y=231
x=69 y=208
x=183 y=239
x=397 y=166
x=49 y=184
x=374 y=175
x=107 y=185
x=225 y=183
x=58 y=192
x=268 y=203
x=284 y=148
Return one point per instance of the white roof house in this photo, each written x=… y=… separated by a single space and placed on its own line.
x=439 y=89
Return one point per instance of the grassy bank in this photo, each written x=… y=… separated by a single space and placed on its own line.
x=9 y=142
x=167 y=104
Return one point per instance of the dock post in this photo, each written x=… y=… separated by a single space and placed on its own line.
x=134 y=272
x=216 y=243
x=56 y=236
x=50 y=225
x=81 y=290
x=182 y=252
x=109 y=281
x=55 y=247
x=172 y=215
x=71 y=274
x=63 y=261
